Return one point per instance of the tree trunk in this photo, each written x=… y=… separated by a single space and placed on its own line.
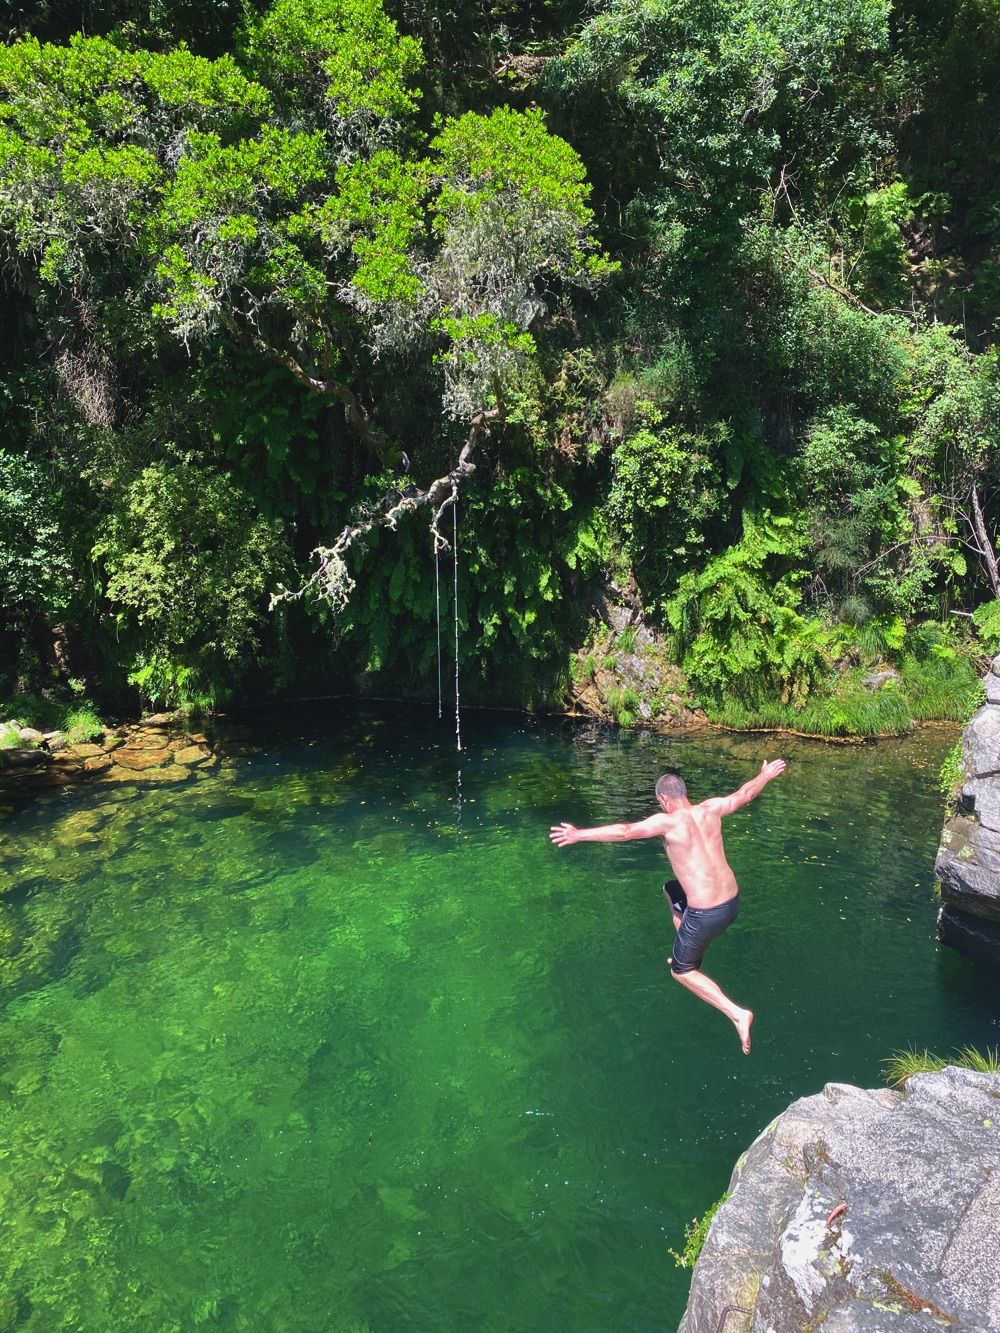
x=987 y=547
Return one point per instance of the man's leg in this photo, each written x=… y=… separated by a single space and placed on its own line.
x=706 y=989
x=695 y=931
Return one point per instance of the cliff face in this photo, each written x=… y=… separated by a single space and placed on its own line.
x=968 y=862
x=863 y=1212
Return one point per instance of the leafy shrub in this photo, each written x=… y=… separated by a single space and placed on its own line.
x=874 y=237
x=77 y=719
x=623 y=705
x=34 y=564
x=188 y=568
x=9 y=739
x=35 y=710
x=952 y=772
x=81 y=724
x=666 y=489
x=881 y=636
x=625 y=643
x=850 y=711
x=852 y=497
x=694 y=1236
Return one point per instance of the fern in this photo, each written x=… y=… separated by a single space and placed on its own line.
x=737 y=626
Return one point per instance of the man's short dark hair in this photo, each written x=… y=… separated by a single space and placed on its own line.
x=672 y=787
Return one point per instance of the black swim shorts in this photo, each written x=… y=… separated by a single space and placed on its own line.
x=699 y=927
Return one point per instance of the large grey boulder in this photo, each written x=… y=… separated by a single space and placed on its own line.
x=863 y=1212
x=981 y=741
x=968 y=866
x=968 y=860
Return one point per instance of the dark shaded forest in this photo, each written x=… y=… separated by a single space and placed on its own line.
x=688 y=302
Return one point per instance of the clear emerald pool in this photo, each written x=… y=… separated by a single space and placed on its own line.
x=332 y=1040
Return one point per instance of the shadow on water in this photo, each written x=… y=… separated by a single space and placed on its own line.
x=973 y=985
x=331 y=1037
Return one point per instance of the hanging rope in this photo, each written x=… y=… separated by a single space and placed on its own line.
x=437 y=600
x=454 y=514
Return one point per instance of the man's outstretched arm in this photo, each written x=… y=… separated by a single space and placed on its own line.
x=564 y=835
x=769 y=770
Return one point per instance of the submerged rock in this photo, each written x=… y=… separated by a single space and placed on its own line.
x=141 y=757
x=862 y=1211
x=18 y=758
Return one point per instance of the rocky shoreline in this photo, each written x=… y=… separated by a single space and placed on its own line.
x=158 y=749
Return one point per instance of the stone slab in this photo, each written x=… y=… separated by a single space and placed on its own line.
x=983 y=796
x=127 y=757
x=891 y=1227
x=966 y=839
x=18 y=758
x=981 y=742
x=968 y=885
x=192 y=754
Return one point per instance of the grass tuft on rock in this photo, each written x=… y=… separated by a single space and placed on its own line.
x=902 y=1065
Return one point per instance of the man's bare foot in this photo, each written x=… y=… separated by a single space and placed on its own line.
x=743 y=1028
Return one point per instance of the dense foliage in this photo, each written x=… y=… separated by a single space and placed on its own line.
x=724 y=278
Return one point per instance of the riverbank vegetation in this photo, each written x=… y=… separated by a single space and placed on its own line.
x=692 y=307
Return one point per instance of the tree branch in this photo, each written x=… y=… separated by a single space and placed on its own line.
x=357 y=417
x=331 y=579
x=921 y=539
x=832 y=286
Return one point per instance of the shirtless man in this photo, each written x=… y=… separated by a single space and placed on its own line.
x=707 y=899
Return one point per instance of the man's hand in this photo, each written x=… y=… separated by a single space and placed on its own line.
x=771 y=768
x=564 y=835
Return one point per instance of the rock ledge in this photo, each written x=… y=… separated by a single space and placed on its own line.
x=862 y=1212
x=968 y=861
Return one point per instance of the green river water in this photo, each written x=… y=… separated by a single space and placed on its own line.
x=332 y=1040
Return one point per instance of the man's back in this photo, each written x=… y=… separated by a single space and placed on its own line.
x=692 y=839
